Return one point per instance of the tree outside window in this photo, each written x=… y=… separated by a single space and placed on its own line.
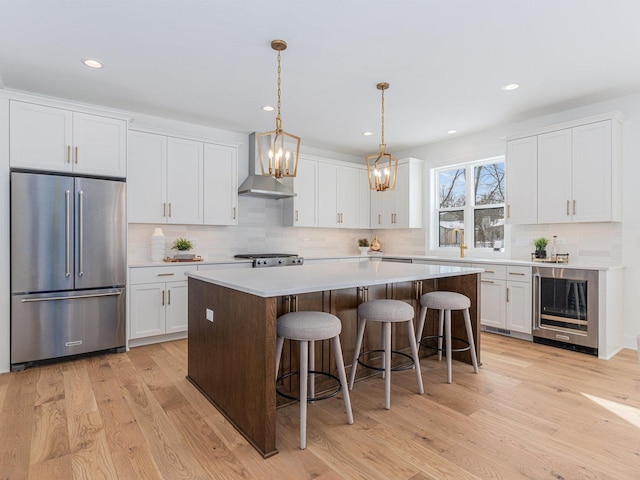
x=482 y=214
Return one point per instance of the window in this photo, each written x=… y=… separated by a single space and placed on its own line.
x=470 y=203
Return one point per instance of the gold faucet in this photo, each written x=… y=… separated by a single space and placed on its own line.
x=463 y=246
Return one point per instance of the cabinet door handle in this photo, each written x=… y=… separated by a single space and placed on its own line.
x=163 y=298
x=169 y=297
x=234 y=213
x=169 y=208
x=507 y=294
x=508 y=211
x=296 y=215
x=574 y=207
x=567 y=207
x=379 y=219
x=76 y=154
x=164 y=209
x=516 y=273
x=68 y=153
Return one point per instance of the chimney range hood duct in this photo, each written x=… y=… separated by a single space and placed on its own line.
x=261 y=185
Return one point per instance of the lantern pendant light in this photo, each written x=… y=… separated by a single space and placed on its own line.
x=277 y=149
x=382 y=167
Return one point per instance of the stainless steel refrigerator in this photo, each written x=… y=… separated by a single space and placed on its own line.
x=68 y=266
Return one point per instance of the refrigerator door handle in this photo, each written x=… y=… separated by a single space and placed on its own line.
x=67 y=230
x=80 y=233
x=72 y=297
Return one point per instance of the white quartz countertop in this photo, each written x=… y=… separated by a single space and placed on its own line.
x=292 y=280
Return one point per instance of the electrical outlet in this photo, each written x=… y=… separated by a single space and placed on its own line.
x=209 y=315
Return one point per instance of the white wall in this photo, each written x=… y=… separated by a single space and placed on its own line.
x=5 y=325
x=595 y=243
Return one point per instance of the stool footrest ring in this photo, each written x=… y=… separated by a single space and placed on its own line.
x=331 y=393
x=423 y=342
x=380 y=369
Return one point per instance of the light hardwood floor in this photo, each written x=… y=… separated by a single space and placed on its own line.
x=533 y=412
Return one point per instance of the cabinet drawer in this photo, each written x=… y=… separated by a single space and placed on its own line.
x=160 y=274
x=519 y=274
x=492 y=272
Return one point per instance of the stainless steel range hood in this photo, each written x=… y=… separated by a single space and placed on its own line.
x=261 y=185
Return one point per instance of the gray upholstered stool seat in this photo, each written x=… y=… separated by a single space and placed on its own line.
x=307 y=327
x=446 y=302
x=387 y=312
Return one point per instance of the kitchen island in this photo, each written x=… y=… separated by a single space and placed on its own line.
x=232 y=325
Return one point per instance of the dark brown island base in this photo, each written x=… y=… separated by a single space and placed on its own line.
x=232 y=327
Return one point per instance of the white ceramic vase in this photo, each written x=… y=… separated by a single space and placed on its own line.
x=363 y=250
x=157 y=245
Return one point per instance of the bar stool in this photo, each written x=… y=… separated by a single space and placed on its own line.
x=445 y=302
x=307 y=327
x=386 y=312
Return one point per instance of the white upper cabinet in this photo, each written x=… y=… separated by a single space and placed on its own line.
x=340 y=196
x=522 y=181
x=302 y=210
x=402 y=207
x=554 y=173
x=48 y=138
x=185 y=196
x=220 y=185
x=181 y=181
x=364 y=200
x=575 y=170
x=147 y=178
x=567 y=173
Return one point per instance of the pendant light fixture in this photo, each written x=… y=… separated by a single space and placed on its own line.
x=382 y=167
x=277 y=149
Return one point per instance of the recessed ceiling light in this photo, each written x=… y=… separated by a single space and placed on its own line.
x=267 y=108
x=367 y=134
x=451 y=132
x=511 y=86
x=92 y=63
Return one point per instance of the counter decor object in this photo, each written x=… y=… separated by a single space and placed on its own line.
x=157 y=245
x=541 y=246
x=376 y=246
x=363 y=245
x=183 y=246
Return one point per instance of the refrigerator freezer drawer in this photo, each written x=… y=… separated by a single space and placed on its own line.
x=45 y=326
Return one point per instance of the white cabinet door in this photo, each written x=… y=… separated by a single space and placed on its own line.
x=348 y=194
x=363 y=199
x=592 y=173
x=328 y=195
x=522 y=181
x=176 y=307
x=518 y=307
x=220 y=185
x=301 y=210
x=146 y=178
x=40 y=137
x=100 y=145
x=184 y=181
x=492 y=311
x=554 y=177
x=147 y=314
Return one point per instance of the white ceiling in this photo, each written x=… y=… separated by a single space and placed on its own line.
x=210 y=61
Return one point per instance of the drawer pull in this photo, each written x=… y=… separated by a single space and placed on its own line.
x=487 y=281
x=165 y=274
x=489 y=271
x=516 y=273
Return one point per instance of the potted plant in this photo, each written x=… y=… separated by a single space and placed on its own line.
x=541 y=247
x=183 y=246
x=363 y=245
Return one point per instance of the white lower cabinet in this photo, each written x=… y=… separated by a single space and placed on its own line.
x=158 y=300
x=506 y=297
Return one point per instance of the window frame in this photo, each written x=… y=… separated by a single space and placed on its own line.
x=468 y=209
